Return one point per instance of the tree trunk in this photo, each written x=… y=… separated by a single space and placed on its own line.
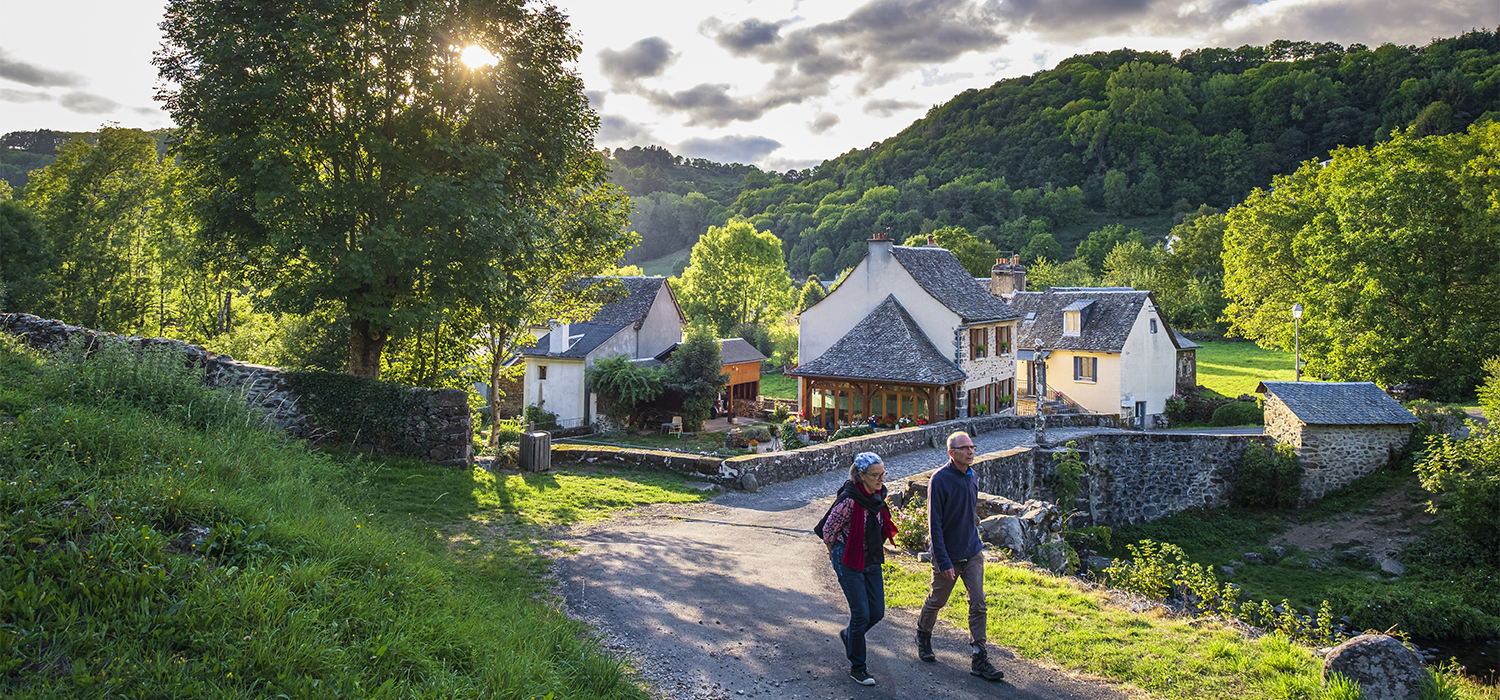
x=497 y=357
x=365 y=344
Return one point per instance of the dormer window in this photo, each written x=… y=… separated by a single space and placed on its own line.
x=1071 y=323
x=1075 y=315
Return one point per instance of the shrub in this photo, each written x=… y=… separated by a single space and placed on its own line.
x=911 y=524
x=1176 y=409
x=779 y=414
x=790 y=440
x=1489 y=391
x=1067 y=476
x=852 y=431
x=1439 y=419
x=624 y=387
x=508 y=431
x=758 y=433
x=1238 y=413
x=1268 y=479
x=1464 y=476
x=539 y=417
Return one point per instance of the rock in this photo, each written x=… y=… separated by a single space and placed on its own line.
x=1007 y=531
x=1054 y=557
x=749 y=483
x=1279 y=552
x=1314 y=564
x=702 y=486
x=989 y=505
x=1383 y=668
x=1099 y=563
x=1352 y=555
x=1254 y=558
x=1228 y=571
x=924 y=556
x=1392 y=567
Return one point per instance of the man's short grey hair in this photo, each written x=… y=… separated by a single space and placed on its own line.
x=955 y=436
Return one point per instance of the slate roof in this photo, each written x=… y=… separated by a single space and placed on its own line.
x=888 y=346
x=1338 y=403
x=639 y=293
x=585 y=338
x=733 y=351
x=1183 y=343
x=1105 y=329
x=942 y=276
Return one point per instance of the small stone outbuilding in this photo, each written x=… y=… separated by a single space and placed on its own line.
x=1341 y=430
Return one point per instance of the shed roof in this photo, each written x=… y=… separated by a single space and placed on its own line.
x=1183 y=343
x=1338 y=403
x=734 y=351
x=886 y=345
x=941 y=274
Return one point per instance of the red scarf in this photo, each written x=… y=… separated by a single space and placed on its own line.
x=854 y=556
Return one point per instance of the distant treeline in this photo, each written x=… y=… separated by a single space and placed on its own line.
x=1127 y=133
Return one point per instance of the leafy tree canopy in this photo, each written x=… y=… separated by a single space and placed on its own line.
x=353 y=156
x=695 y=372
x=736 y=276
x=1394 y=253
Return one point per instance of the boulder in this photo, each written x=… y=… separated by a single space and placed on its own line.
x=1008 y=531
x=1279 y=552
x=1392 y=567
x=1099 y=563
x=1254 y=558
x=1054 y=557
x=749 y=483
x=1314 y=564
x=996 y=505
x=1380 y=664
x=1228 y=571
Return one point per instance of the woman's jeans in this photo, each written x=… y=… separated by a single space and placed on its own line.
x=865 y=591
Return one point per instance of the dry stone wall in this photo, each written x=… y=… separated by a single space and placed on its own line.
x=438 y=428
x=1334 y=455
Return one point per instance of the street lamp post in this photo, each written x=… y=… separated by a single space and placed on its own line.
x=1297 y=338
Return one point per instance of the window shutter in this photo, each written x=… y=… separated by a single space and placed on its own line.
x=1077 y=367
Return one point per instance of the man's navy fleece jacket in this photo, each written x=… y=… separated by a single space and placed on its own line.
x=951 y=498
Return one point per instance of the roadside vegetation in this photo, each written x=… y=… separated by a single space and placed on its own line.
x=155 y=540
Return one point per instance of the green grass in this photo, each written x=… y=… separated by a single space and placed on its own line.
x=1232 y=368
x=663 y=265
x=154 y=543
x=697 y=442
x=1085 y=631
x=777 y=385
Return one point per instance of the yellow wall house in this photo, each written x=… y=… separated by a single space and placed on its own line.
x=1107 y=349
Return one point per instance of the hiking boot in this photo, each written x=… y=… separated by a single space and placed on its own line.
x=981 y=666
x=862 y=677
x=924 y=647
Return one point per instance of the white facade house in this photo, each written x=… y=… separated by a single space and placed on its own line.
x=906 y=336
x=642 y=323
x=1108 y=349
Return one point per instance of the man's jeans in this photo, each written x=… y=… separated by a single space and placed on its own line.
x=972 y=573
x=865 y=591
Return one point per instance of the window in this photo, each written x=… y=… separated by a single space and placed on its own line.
x=1153 y=325
x=541 y=372
x=1085 y=369
x=1070 y=323
x=979 y=343
x=1002 y=341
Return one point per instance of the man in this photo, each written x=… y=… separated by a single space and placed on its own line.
x=952 y=498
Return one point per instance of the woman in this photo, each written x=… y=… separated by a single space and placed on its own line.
x=854 y=529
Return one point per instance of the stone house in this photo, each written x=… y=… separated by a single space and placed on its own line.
x=641 y=323
x=907 y=336
x=1341 y=430
x=1187 y=363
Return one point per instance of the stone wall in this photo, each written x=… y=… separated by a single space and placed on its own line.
x=1334 y=455
x=439 y=427
x=1137 y=478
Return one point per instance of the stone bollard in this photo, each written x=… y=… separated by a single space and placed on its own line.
x=536 y=451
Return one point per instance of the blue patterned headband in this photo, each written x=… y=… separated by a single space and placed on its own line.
x=864 y=460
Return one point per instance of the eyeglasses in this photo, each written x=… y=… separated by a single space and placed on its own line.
x=963 y=447
x=877 y=475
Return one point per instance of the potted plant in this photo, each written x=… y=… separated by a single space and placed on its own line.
x=1004 y=347
x=981 y=409
x=980 y=349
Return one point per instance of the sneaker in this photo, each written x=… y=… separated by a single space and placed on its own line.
x=981 y=666
x=862 y=677
x=924 y=647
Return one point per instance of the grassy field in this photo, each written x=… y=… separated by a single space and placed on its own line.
x=154 y=542
x=777 y=385
x=1087 y=631
x=1232 y=368
x=663 y=265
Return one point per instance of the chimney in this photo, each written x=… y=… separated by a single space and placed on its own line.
x=880 y=246
x=932 y=240
x=1007 y=277
x=558 y=340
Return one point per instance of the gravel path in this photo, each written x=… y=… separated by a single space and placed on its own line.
x=735 y=598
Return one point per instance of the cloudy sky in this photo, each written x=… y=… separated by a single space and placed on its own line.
x=780 y=83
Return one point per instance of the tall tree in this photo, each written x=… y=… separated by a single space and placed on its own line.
x=350 y=153
x=26 y=258
x=1393 y=251
x=737 y=275
x=103 y=209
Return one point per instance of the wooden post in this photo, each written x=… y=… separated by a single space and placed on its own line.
x=536 y=451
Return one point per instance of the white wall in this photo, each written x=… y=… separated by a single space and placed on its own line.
x=877 y=276
x=662 y=327
x=1100 y=396
x=562 y=391
x=1149 y=362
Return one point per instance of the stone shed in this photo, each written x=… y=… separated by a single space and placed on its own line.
x=1341 y=430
